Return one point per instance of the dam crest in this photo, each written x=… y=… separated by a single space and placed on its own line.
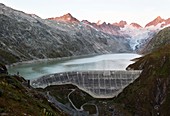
x=99 y=84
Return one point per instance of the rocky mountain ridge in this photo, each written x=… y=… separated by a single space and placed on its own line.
x=137 y=35
x=160 y=22
x=26 y=37
x=157 y=21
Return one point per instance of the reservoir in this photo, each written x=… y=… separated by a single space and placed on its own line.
x=99 y=62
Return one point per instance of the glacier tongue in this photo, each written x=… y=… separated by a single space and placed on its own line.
x=138 y=36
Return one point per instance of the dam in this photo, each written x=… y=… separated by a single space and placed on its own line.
x=99 y=84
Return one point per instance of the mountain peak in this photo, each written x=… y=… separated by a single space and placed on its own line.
x=158 y=18
x=136 y=25
x=121 y=23
x=99 y=22
x=68 y=14
x=155 y=22
x=65 y=18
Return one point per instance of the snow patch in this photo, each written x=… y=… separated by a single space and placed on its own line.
x=137 y=35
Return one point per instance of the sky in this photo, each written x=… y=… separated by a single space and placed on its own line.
x=110 y=11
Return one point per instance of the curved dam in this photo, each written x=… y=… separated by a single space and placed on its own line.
x=99 y=84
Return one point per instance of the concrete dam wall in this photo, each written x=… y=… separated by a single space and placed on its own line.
x=99 y=84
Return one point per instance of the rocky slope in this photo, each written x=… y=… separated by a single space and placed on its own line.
x=159 y=40
x=150 y=93
x=27 y=37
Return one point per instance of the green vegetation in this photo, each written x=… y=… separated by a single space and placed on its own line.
x=90 y=108
x=161 y=39
x=149 y=94
x=18 y=99
x=79 y=98
x=60 y=92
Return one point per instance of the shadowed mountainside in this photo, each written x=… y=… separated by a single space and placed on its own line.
x=150 y=93
x=16 y=98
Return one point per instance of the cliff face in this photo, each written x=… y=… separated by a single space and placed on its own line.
x=150 y=93
x=26 y=37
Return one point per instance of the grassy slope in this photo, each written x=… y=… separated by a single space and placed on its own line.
x=16 y=99
x=162 y=38
x=150 y=93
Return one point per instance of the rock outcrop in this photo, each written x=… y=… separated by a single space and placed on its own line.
x=135 y=25
x=66 y=18
x=121 y=24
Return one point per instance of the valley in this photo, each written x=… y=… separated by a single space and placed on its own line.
x=62 y=66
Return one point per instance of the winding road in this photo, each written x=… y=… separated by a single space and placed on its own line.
x=72 y=102
x=65 y=108
x=97 y=110
x=81 y=109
